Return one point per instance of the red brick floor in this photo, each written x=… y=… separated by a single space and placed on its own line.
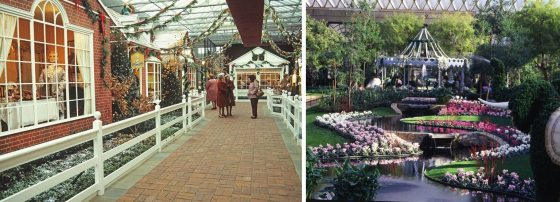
x=231 y=159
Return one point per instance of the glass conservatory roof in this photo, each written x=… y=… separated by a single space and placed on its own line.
x=199 y=17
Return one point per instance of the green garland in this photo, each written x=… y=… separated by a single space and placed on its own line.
x=163 y=25
x=260 y=65
x=224 y=47
x=92 y=15
x=151 y=19
x=292 y=38
x=104 y=42
x=104 y=57
x=213 y=28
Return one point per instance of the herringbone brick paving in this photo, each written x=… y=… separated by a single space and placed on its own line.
x=230 y=159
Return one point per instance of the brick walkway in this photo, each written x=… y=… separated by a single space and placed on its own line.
x=229 y=159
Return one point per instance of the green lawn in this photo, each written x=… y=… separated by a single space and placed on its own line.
x=497 y=120
x=317 y=135
x=384 y=111
x=518 y=164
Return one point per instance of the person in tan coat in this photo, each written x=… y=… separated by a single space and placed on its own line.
x=252 y=94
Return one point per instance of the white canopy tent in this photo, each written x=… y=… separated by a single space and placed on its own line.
x=423 y=53
x=268 y=68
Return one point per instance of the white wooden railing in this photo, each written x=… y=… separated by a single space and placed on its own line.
x=195 y=104
x=289 y=108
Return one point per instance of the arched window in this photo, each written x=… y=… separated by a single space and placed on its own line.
x=45 y=69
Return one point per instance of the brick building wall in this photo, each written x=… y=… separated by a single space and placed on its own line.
x=103 y=103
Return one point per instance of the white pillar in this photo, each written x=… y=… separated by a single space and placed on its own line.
x=158 y=125
x=98 y=154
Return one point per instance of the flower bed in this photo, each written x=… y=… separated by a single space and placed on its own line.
x=370 y=161
x=518 y=142
x=507 y=183
x=458 y=106
x=367 y=140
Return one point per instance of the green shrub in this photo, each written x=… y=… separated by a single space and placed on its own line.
x=355 y=183
x=313 y=174
x=170 y=88
x=556 y=84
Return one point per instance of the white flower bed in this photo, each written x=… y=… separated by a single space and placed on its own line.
x=508 y=150
x=368 y=141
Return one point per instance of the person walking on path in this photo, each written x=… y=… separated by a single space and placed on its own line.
x=222 y=97
x=230 y=95
x=212 y=90
x=252 y=94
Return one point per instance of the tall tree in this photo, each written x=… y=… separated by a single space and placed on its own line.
x=398 y=29
x=542 y=20
x=364 y=43
x=455 y=33
x=325 y=48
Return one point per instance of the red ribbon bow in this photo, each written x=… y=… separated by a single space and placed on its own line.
x=102 y=19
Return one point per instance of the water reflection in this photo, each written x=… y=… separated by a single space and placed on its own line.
x=403 y=180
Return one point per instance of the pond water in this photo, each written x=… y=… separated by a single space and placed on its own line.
x=404 y=180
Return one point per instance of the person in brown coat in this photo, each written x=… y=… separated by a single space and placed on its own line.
x=230 y=95
x=222 y=96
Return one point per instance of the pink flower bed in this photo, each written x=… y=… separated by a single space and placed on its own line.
x=507 y=182
x=472 y=108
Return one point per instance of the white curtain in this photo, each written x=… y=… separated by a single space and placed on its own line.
x=7 y=29
x=81 y=42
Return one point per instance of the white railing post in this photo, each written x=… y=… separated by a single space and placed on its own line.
x=184 y=114
x=190 y=108
x=98 y=154
x=158 y=125
x=286 y=109
x=297 y=116
x=203 y=104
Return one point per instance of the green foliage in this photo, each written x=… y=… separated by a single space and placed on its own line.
x=324 y=45
x=313 y=174
x=355 y=183
x=542 y=20
x=556 y=84
x=455 y=33
x=170 y=88
x=398 y=29
x=363 y=100
x=510 y=39
x=364 y=37
x=529 y=101
x=531 y=108
x=122 y=73
x=501 y=92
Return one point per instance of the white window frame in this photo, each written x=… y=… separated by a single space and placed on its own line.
x=156 y=70
x=29 y=15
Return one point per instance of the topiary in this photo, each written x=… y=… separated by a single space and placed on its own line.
x=531 y=106
x=500 y=90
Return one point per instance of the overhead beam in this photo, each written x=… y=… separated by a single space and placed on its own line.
x=248 y=19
